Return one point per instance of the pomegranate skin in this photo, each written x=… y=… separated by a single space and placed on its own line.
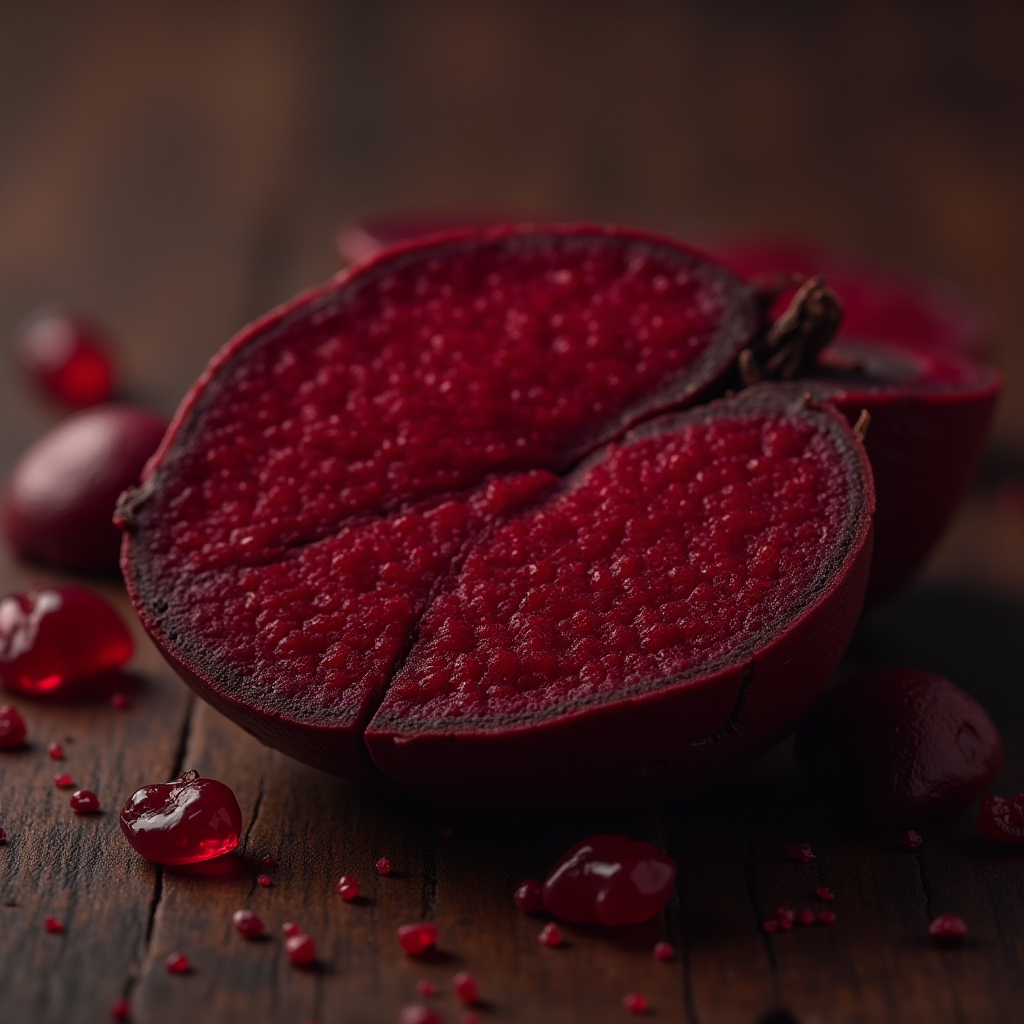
x=899 y=745
x=62 y=492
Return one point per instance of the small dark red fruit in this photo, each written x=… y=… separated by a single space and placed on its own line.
x=60 y=499
x=54 y=637
x=801 y=853
x=529 y=897
x=664 y=951
x=635 y=1002
x=417 y=938
x=247 y=923
x=1002 y=820
x=611 y=880
x=177 y=963
x=301 y=950
x=12 y=728
x=550 y=935
x=948 y=928
x=84 y=801
x=183 y=822
x=898 y=744
x=347 y=887
x=54 y=925
x=68 y=356
x=466 y=988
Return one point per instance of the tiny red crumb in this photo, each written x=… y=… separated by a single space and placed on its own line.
x=948 y=928
x=826 y=917
x=911 y=838
x=785 y=918
x=635 y=1002
x=466 y=988
x=426 y=988
x=56 y=751
x=664 y=951
x=54 y=925
x=805 y=917
x=120 y=701
x=347 y=887
x=383 y=866
x=265 y=880
x=825 y=893
x=528 y=897
x=801 y=853
x=550 y=935
x=414 y=1014
x=301 y=950
x=417 y=938
x=63 y=781
x=770 y=926
x=121 y=1010
x=247 y=923
x=84 y=801
x=269 y=862
x=177 y=963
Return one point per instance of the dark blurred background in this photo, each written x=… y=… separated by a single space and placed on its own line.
x=177 y=169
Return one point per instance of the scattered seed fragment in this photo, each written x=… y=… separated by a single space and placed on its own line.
x=291 y=928
x=785 y=918
x=383 y=866
x=84 y=801
x=948 y=928
x=550 y=935
x=825 y=893
x=63 y=781
x=265 y=880
x=466 y=988
x=269 y=862
x=121 y=702
x=770 y=926
x=826 y=917
x=121 y=1010
x=635 y=1002
x=805 y=917
x=664 y=951
x=54 y=925
x=177 y=963
x=3 y=836
x=415 y=1014
x=56 y=751
x=347 y=887
x=247 y=923
x=911 y=839
x=801 y=853
x=301 y=950
x=417 y=938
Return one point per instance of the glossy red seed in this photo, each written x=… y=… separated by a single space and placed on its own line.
x=611 y=880
x=63 y=781
x=56 y=751
x=383 y=866
x=120 y=701
x=67 y=356
x=301 y=950
x=911 y=839
x=417 y=938
x=269 y=862
x=550 y=935
x=635 y=1002
x=801 y=853
x=825 y=893
x=466 y=988
x=826 y=917
x=948 y=928
x=529 y=897
x=84 y=801
x=247 y=923
x=664 y=951
x=177 y=963
x=183 y=822
x=414 y=1014
x=426 y=988
x=12 y=728
x=347 y=887
x=770 y=926
x=291 y=928
x=54 y=925
x=265 y=880
x=785 y=918
x=1002 y=820
x=58 y=636
x=805 y=917
x=121 y=1010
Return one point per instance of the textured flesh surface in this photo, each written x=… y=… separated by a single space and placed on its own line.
x=337 y=462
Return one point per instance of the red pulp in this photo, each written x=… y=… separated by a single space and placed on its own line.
x=12 y=728
x=183 y=822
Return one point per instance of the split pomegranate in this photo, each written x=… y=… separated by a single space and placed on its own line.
x=898 y=744
x=68 y=356
x=58 y=636
x=1002 y=820
x=12 y=728
x=427 y=521
x=611 y=880
x=121 y=1010
x=183 y=822
x=61 y=494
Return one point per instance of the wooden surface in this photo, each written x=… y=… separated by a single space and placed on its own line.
x=176 y=171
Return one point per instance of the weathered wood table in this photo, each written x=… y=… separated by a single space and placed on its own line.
x=178 y=172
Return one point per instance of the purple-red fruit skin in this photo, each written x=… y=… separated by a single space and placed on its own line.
x=898 y=744
x=59 y=503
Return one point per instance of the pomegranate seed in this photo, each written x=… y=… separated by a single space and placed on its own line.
x=664 y=951
x=54 y=925
x=63 y=781
x=301 y=950
x=247 y=923
x=1002 y=820
x=121 y=1010
x=290 y=928
x=826 y=917
x=417 y=938
x=770 y=926
x=825 y=893
x=414 y=1014
x=347 y=887
x=84 y=801
x=67 y=356
x=529 y=898
x=177 y=963
x=805 y=917
x=785 y=918
x=466 y=988
x=3 y=836
x=56 y=751
x=426 y=988
x=12 y=728
x=911 y=839
x=550 y=935
x=801 y=853
x=120 y=701
x=269 y=862
x=635 y=1002
x=383 y=866
x=266 y=881
x=948 y=928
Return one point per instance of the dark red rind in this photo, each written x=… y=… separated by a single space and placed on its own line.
x=668 y=733
x=337 y=745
